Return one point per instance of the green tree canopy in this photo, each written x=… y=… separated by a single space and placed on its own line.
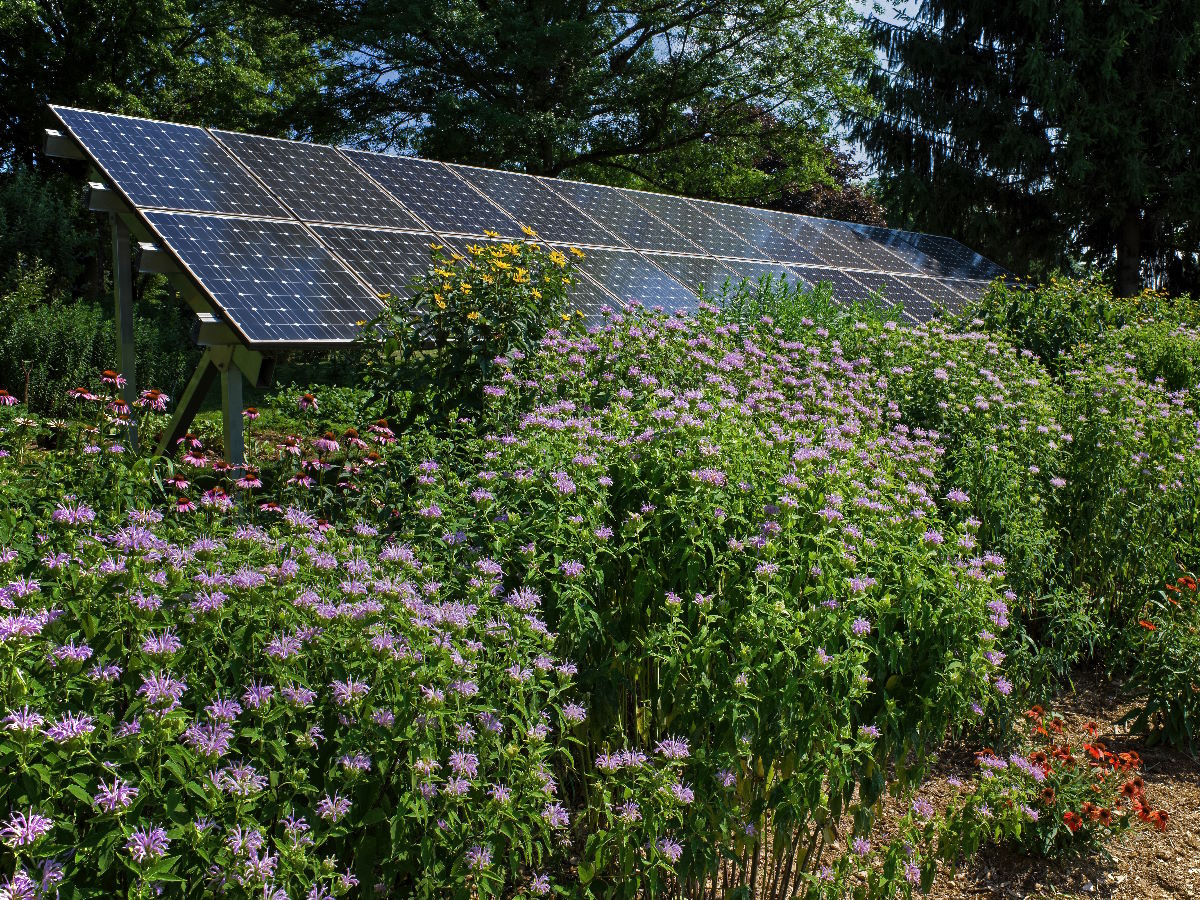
x=1041 y=130
x=231 y=63
x=633 y=89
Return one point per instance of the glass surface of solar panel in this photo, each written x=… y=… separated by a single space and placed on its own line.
x=770 y=242
x=160 y=165
x=937 y=290
x=624 y=218
x=531 y=203
x=272 y=279
x=899 y=291
x=952 y=258
x=846 y=289
x=388 y=261
x=317 y=182
x=754 y=270
x=895 y=241
x=818 y=247
x=863 y=252
x=704 y=231
x=630 y=276
x=443 y=200
x=694 y=271
x=970 y=289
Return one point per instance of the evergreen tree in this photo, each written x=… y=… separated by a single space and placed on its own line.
x=614 y=91
x=1042 y=130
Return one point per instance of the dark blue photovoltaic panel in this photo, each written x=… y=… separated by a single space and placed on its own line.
x=682 y=215
x=862 y=251
x=531 y=203
x=620 y=215
x=770 y=242
x=158 y=165
x=694 y=271
x=389 y=261
x=846 y=289
x=631 y=276
x=944 y=297
x=896 y=290
x=756 y=270
x=951 y=259
x=273 y=281
x=443 y=200
x=317 y=182
x=970 y=290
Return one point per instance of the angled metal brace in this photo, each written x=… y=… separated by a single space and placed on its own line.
x=188 y=404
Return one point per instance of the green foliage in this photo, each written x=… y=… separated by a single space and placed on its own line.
x=60 y=343
x=1038 y=132
x=792 y=307
x=431 y=355
x=554 y=86
x=210 y=62
x=1051 y=798
x=1163 y=655
x=42 y=220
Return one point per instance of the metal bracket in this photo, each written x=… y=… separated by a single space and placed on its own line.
x=102 y=198
x=154 y=260
x=55 y=143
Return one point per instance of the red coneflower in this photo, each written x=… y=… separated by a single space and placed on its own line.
x=1105 y=817
x=1048 y=796
x=1147 y=624
x=1072 y=821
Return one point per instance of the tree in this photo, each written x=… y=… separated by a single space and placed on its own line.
x=597 y=87
x=1042 y=130
x=211 y=62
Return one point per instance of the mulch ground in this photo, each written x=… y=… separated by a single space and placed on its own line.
x=1142 y=865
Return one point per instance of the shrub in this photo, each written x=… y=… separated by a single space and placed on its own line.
x=1163 y=655
x=431 y=355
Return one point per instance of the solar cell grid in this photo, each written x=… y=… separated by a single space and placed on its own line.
x=159 y=165
x=694 y=271
x=316 y=182
x=894 y=241
x=273 y=280
x=534 y=205
x=897 y=291
x=862 y=252
x=682 y=215
x=970 y=289
x=754 y=269
x=938 y=291
x=389 y=261
x=770 y=242
x=818 y=247
x=620 y=215
x=443 y=200
x=631 y=276
x=846 y=289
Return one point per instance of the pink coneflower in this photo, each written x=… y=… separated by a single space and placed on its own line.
x=7 y=399
x=327 y=443
x=81 y=393
x=250 y=413
x=184 y=505
x=153 y=399
x=112 y=379
x=307 y=402
x=249 y=479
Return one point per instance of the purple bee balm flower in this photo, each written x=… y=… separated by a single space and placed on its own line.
x=24 y=719
x=673 y=748
x=958 y=496
x=162 y=691
x=912 y=872
x=1004 y=686
x=116 y=796
x=479 y=857
x=465 y=764
x=540 y=885
x=575 y=713
x=572 y=568
x=556 y=815
x=23 y=829
x=861 y=626
x=68 y=727
x=148 y=844
x=670 y=848
x=869 y=731
x=164 y=644
x=333 y=808
x=861 y=846
x=349 y=691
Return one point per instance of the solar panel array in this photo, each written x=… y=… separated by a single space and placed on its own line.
x=294 y=243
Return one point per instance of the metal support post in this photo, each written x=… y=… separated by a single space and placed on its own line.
x=189 y=404
x=231 y=411
x=123 y=308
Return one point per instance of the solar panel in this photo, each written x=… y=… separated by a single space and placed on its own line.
x=949 y=258
x=694 y=271
x=846 y=289
x=862 y=251
x=898 y=291
x=631 y=276
x=445 y=202
x=939 y=291
x=317 y=183
x=770 y=242
x=755 y=270
x=389 y=261
x=535 y=205
x=158 y=165
x=969 y=289
x=684 y=217
x=622 y=216
x=272 y=279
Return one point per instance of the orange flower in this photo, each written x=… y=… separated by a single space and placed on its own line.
x=1148 y=625
x=1072 y=821
x=1158 y=819
x=1091 y=728
x=1105 y=817
x=1047 y=796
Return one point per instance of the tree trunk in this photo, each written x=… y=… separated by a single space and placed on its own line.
x=1129 y=254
